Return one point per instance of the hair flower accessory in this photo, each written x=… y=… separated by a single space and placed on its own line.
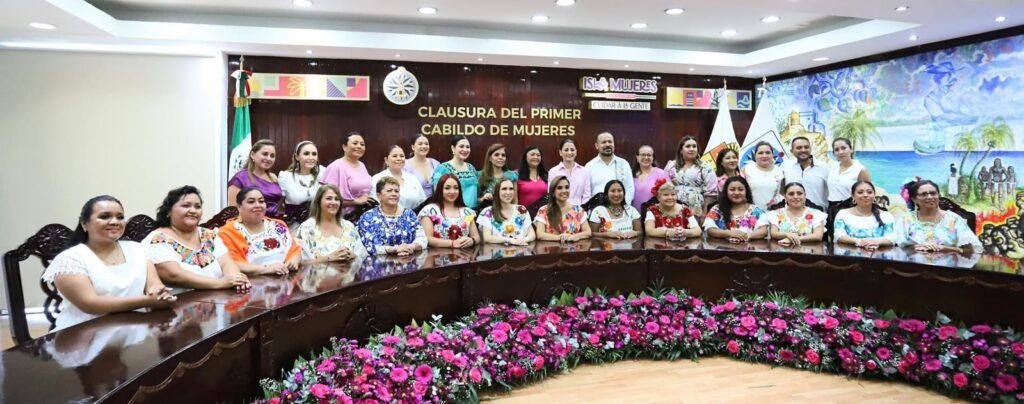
x=657 y=185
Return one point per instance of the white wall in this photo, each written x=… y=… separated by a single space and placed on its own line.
x=76 y=125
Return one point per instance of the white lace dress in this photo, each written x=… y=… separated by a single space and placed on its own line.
x=123 y=280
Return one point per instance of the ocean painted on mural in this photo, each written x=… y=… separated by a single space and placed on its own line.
x=952 y=116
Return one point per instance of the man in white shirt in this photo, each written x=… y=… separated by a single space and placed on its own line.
x=607 y=166
x=812 y=176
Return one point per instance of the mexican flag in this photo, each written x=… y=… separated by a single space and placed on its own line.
x=241 y=132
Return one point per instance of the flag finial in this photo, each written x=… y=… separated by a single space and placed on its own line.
x=764 y=81
x=725 y=83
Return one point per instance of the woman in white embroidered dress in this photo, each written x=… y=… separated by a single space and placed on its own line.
x=326 y=236
x=100 y=274
x=259 y=245
x=794 y=223
x=186 y=254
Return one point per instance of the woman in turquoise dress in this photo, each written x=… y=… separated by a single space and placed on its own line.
x=468 y=176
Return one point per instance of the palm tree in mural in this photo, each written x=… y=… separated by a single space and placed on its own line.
x=858 y=127
x=966 y=142
x=993 y=134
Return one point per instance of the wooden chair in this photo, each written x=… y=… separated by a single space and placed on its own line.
x=970 y=217
x=833 y=211
x=45 y=245
x=221 y=218
x=647 y=205
x=138 y=227
x=595 y=201
x=356 y=213
x=535 y=206
x=298 y=215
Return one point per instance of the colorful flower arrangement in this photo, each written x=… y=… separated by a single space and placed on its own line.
x=501 y=345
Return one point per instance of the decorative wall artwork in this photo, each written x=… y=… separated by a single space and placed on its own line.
x=309 y=87
x=952 y=116
x=401 y=86
x=704 y=98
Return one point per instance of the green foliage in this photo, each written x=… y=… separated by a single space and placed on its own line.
x=858 y=127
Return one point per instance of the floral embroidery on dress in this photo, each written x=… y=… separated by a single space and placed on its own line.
x=274 y=236
x=803 y=224
x=681 y=219
x=572 y=221
x=201 y=257
x=515 y=226
x=450 y=228
x=316 y=243
x=378 y=230
x=746 y=222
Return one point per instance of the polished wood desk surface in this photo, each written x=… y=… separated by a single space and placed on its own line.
x=87 y=361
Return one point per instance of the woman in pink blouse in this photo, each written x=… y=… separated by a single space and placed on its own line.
x=349 y=174
x=577 y=174
x=647 y=173
x=531 y=182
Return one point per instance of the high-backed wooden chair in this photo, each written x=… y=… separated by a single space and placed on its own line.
x=221 y=218
x=595 y=201
x=535 y=206
x=45 y=245
x=297 y=216
x=357 y=213
x=138 y=227
x=970 y=217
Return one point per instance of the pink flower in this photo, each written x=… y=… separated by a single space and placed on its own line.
x=572 y=312
x=870 y=365
x=485 y=311
x=320 y=390
x=694 y=333
x=881 y=324
x=475 y=375
x=523 y=336
x=717 y=309
x=960 y=380
x=810 y=319
x=1017 y=348
x=415 y=342
x=538 y=362
x=515 y=371
x=501 y=325
x=733 y=347
x=435 y=338
x=786 y=355
x=932 y=365
x=363 y=353
x=599 y=316
x=499 y=336
x=539 y=331
x=748 y=322
x=652 y=327
x=448 y=355
x=671 y=298
x=779 y=325
x=594 y=339
x=947 y=332
x=980 y=329
x=615 y=302
x=730 y=305
x=1006 y=382
x=883 y=353
x=830 y=322
x=423 y=373
x=857 y=337
x=399 y=375
x=391 y=339
x=912 y=325
x=275 y=400
x=326 y=366
x=981 y=363
x=812 y=357
x=384 y=394
x=853 y=316
x=419 y=389
x=341 y=397
x=664 y=319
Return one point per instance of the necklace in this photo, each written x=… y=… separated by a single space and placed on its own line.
x=114 y=258
x=616 y=211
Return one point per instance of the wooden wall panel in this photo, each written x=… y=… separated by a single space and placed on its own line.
x=382 y=123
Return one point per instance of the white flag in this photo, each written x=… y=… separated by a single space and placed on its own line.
x=722 y=135
x=762 y=129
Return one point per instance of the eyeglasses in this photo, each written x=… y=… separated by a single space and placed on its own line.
x=929 y=194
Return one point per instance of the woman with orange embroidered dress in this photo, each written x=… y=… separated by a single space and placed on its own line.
x=259 y=245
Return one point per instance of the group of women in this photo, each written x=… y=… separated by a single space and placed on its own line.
x=102 y=274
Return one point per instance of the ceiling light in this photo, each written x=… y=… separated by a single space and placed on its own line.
x=692 y=69
x=309 y=51
x=398 y=55
x=394 y=67
x=750 y=72
x=656 y=77
x=728 y=32
x=42 y=25
x=913 y=37
x=555 y=62
x=522 y=79
x=1000 y=19
x=820 y=59
x=770 y=19
x=638 y=25
x=540 y=18
x=466 y=68
x=312 y=63
x=674 y=11
x=565 y=3
x=428 y=10
x=626 y=66
x=303 y=3
x=533 y=72
x=479 y=59
x=902 y=8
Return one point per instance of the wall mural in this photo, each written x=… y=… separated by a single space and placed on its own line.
x=952 y=116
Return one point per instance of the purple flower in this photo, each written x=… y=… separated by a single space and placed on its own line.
x=364 y=354
x=524 y=336
x=399 y=375
x=810 y=319
x=652 y=327
x=853 y=316
x=475 y=375
x=912 y=325
x=779 y=325
x=423 y=373
x=326 y=366
x=981 y=329
x=415 y=342
x=883 y=353
x=499 y=336
x=435 y=338
x=383 y=394
x=932 y=365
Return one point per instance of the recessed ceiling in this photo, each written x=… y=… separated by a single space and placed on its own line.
x=594 y=34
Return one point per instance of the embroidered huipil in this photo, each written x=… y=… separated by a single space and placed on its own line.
x=684 y=218
x=803 y=224
x=315 y=243
x=379 y=230
x=572 y=221
x=272 y=244
x=606 y=222
x=951 y=230
x=746 y=222
x=848 y=224
x=163 y=248
x=449 y=228
x=517 y=226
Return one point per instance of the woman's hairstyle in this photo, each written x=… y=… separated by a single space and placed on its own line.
x=524 y=167
x=387 y=154
x=763 y=143
x=554 y=215
x=412 y=142
x=487 y=175
x=720 y=160
x=245 y=191
x=295 y=165
x=163 y=213
x=785 y=188
x=564 y=141
x=725 y=204
x=678 y=163
x=608 y=187
x=498 y=205
x=81 y=236
x=250 y=164
x=844 y=140
x=636 y=162
x=437 y=197
x=457 y=139
x=875 y=211
x=314 y=206
x=384 y=181
x=659 y=184
x=913 y=189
